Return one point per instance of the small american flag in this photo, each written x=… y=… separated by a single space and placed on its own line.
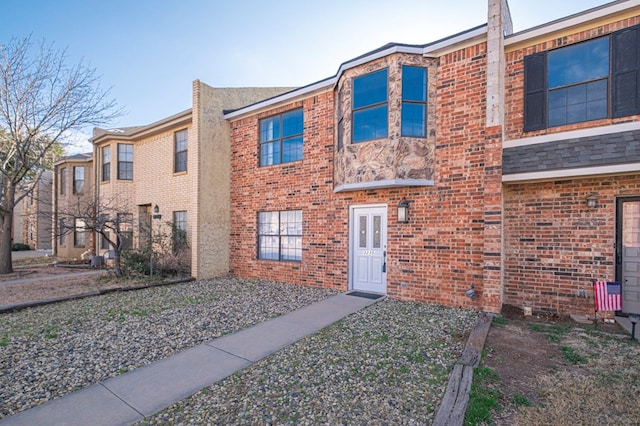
x=608 y=295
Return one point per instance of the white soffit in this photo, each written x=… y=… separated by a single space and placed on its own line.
x=582 y=172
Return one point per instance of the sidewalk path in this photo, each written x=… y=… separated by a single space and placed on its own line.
x=132 y=396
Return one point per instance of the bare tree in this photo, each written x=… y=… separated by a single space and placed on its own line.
x=41 y=101
x=105 y=218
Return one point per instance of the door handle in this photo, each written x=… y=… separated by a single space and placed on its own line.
x=384 y=261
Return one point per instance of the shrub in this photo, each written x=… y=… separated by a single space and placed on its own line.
x=20 y=247
x=136 y=261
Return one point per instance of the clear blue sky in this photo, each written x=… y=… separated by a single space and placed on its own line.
x=149 y=51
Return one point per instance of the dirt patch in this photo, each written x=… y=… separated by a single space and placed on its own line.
x=526 y=352
x=42 y=282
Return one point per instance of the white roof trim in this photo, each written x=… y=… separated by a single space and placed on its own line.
x=563 y=24
x=289 y=96
x=378 y=184
x=377 y=55
x=572 y=173
x=455 y=40
x=332 y=81
x=323 y=84
x=573 y=134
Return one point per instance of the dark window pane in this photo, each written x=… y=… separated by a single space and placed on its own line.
x=576 y=113
x=370 y=124
x=413 y=120
x=579 y=103
x=597 y=90
x=414 y=84
x=292 y=123
x=370 y=89
x=106 y=163
x=578 y=63
x=577 y=94
x=292 y=149
x=558 y=99
x=181 y=161
x=597 y=109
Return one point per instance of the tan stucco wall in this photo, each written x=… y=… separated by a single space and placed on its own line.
x=210 y=252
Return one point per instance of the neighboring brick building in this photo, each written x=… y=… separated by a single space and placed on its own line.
x=73 y=185
x=318 y=174
x=32 y=216
x=574 y=138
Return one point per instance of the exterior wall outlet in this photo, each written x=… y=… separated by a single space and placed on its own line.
x=403 y=285
x=527 y=311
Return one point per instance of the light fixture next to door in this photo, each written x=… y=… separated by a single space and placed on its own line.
x=403 y=211
x=592 y=200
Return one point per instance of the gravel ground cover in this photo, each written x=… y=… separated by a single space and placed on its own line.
x=387 y=364
x=49 y=351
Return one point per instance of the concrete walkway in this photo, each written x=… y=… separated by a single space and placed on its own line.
x=131 y=397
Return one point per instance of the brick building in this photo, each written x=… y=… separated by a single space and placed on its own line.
x=500 y=165
x=174 y=175
x=32 y=216
x=73 y=183
x=517 y=155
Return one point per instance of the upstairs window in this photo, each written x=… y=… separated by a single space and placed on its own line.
x=63 y=181
x=370 y=106
x=78 y=180
x=281 y=139
x=125 y=161
x=106 y=163
x=180 y=151
x=592 y=80
x=414 y=101
x=578 y=79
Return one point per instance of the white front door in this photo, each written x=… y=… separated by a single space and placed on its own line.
x=368 y=249
x=629 y=256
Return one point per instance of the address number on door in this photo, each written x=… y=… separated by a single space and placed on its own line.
x=368 y=252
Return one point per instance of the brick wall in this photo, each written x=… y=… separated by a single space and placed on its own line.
x=514 y=80
x=436 y=256
x=555 y=245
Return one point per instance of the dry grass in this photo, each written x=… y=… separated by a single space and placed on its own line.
x=604 y=390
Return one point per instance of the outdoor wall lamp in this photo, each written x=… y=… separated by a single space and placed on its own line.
x=592 y=200
x=403 y=211
x=156 y=209
x=471 y=293
x=634 y=320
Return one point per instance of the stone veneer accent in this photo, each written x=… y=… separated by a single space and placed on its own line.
x=394 y=157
